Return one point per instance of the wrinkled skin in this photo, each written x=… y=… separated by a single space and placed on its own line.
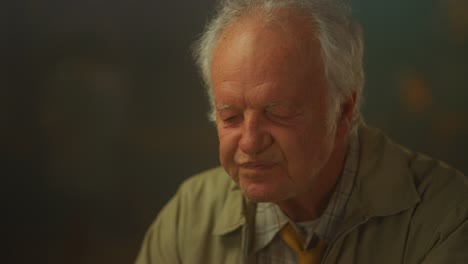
x=273 y=114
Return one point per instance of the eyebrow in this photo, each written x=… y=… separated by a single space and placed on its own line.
x=220 y=107
x=272 y=104
x=280 y=103
x=223 y=106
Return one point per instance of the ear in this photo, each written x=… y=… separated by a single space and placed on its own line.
x=346 y=115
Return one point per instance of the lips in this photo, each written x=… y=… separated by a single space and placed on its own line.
x=257 y=165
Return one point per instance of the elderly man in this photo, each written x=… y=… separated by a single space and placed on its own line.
x=303 y=179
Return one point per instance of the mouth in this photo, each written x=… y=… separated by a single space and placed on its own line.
x=257 y=165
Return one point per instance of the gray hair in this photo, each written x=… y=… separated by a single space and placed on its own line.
x=339 y=34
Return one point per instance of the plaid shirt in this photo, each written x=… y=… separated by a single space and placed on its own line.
x=269 y=218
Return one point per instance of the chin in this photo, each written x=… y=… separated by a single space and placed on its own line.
x=262 y=192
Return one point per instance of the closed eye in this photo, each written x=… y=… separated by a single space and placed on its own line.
x=278 y=115
x=282 y=115
x=275 y=116
x=231 y=119
x=228 y=114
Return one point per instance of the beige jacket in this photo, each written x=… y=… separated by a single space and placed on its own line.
x=404 y=208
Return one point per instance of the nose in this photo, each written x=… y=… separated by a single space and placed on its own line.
x=255 y=137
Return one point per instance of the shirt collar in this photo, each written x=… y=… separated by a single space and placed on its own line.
x=333 y=215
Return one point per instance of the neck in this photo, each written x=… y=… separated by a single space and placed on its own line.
x=311 y=204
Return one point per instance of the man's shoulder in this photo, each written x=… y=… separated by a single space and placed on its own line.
x=211 y=199
x=214 y=180
x=206 y=203
x=203 y=196
x=432 y=176
x=421 y=166
x=210 y=190
x=435 y=182
x=420 y=201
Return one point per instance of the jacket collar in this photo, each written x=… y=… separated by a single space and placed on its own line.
x=232 y=215
x=384 y=184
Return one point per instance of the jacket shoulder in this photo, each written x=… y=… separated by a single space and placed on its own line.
x=442 y=214
x=439 y=219
x=430 y=219
x=183 y=230
x=216 y=181
x=431 y=177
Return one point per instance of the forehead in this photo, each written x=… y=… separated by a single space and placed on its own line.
x=284 y=34
x=255 y=51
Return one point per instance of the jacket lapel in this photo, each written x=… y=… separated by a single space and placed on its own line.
x=383 y=185
x=232 y=216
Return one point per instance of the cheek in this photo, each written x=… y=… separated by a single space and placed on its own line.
x=228 y=142
x=299 y=148
x=316 y=146
x=294 y=149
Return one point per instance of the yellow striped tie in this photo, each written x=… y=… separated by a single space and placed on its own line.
x=296 y=243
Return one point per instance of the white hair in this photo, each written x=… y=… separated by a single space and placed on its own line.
x=339 y=34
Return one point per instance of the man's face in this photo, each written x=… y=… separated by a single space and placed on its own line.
x=272 y=109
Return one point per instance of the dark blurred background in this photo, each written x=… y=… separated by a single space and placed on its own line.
x=102 y=113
